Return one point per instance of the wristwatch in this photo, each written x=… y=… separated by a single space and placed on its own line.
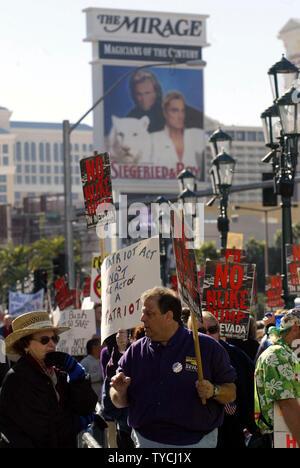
x=216 y=391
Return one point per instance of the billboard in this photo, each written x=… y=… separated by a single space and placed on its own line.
x=151 y=119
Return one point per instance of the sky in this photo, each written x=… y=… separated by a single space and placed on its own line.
x=45 y=62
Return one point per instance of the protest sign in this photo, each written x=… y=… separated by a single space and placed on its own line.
x=126 y=274
x=227 y=294
x=233 y=255
x=97 y=189
x=273 y=289
x=293 y=268
x=63 y=296
x=82 y=325
x=95 y=290
x=186 y=267
x=283 y=437
x=234 y=240
x=20 y=303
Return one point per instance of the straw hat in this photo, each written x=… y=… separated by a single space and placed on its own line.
x=28 y=324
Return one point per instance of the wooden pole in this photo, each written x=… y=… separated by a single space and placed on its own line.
x=197 y=350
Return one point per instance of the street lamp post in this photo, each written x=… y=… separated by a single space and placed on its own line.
x=282 y=128
x=221 y=174
x=67 y=130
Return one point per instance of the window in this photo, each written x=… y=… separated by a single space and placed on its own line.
x=251 y=136
x=2 y=178
x=42 y=180
x=18 y=151
x=41 y=169
x=49 y=180
x=48 y=169
x=56 y=180
x=55 y=151
x=27 y=168
x=240 y=136
x=2 y=188
x=33 y=179
x=33 y=152
x=5 y=160
x=48 y=152
x=5 y=149
x=27 y=180
x=17 y=195
x=3 y=199
x=33 y=169
x=56 y=169
x=84 y=147
x=76 y=147
x=26 y=151
x=260 y=136
x=19 y=179
x=41 y=152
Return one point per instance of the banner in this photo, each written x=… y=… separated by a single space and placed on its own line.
x=97 y=190
x=293 y=268
x=22 y=303
x=227 y=294
x=83 y=327
x=126 y=274
x=282 y=435
x=135 y=121
x=273 y=289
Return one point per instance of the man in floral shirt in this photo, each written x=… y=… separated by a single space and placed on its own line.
x=277 y=377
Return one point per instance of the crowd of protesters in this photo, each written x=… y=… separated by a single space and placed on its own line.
x=147 y=382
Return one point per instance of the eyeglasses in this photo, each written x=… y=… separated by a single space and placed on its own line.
x=45 y=339
x=210 y=330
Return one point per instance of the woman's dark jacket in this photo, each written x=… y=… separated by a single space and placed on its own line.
x=30 y=414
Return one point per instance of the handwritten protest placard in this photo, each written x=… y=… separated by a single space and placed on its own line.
x=273 y=290
x=83 y=327
x=186 y=267
x=293 y=268
x=97 y=189
x=227 y=291
x=282 y=435
x=126 y=274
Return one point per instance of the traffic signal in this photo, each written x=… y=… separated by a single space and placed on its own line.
x=59 y=266
x=40 y=280
x=268 y=194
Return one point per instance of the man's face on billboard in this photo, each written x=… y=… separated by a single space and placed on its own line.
x=175 y=114
x=145 y=95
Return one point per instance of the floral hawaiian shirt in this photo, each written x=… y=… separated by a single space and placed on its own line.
x=277 y=377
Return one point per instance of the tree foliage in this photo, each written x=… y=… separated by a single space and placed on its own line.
x=17 y=262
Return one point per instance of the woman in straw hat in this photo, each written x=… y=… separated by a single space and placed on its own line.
x=46 y=398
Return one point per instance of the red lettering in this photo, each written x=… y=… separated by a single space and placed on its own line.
x=240 y=316
x=236 y=283
x=90 y=169
x=221 y=275
x=275 y=282
x=99 y=167
x=296 y=253
x=290 y=442
x=230 y=315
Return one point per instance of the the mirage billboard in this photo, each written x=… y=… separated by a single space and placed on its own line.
x=151 y=119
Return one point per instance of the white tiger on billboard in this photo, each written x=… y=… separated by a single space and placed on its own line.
x=129 y=140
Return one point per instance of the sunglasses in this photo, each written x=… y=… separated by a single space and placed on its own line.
x=45 y=339
x=210 y=330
